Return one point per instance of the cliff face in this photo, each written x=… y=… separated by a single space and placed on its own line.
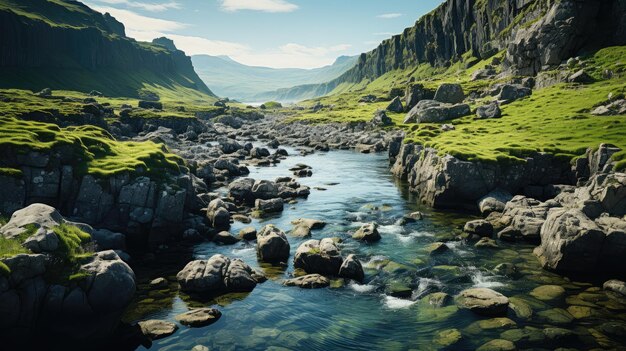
x=31 y=44
x=484 y=27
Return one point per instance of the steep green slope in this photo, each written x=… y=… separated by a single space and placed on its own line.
x=232 y=79
x=63 y=44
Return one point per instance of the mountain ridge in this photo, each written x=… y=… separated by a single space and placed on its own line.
x=85 y=50
x=233 y=79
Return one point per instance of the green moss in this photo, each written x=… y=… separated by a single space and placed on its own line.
x=555 y=120
x=11 y=172
x=71 y=241
x=5 y=271
x=93 y=150
x=13 y=246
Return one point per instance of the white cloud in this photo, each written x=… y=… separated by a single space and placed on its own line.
x=144 y=28
x=291 y=56
x=138 y=26
x=258 y=5
x=159 y=7
x=198 y=46
x=389 y=15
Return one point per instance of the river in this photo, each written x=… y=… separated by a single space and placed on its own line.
x=350 y=316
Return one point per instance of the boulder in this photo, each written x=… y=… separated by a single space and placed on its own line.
x=269 y=206
x=219 y=274
x=309 y=223
x=319 y=256
x=225 y=238
x=272 y=245
x=259 y=152
x=40 y=215
x=615 y=285
x=491 y=110
x=156 y=329
x=240 y=190
x=510 y=92
x=495 y=201
x=479 y=227
x=483 y=301
x=581 y=77
x=218 y=214
x=264 y=189
x=351 y=268
x=395 y=105
x=431 y=111
x=155 y=105
x=415 y=93
x=309 y=281
x=248 y=234
x=571 y=242
x=449 y=93
x=199 y=317
x=381 y=118
x=367 y=232
x=436 y=248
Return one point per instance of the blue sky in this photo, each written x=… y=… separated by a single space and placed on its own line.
x=272 y=33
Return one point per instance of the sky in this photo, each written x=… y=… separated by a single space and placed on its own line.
x=270 y=33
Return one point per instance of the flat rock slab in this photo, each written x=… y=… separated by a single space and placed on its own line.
x=199 y=318
x=547 y=292
x=157 y=329
x=483 y=301
x=310 y=281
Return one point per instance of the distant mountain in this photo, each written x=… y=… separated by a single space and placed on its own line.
x=64 y=44
x=232 y=79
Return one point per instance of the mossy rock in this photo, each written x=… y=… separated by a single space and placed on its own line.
x=485 y=325
x=395 y=268
x=526 y=336
x=521 y=308
x=583 y=312
x=557 y=316
x=498 y=345
x=548 y=292
x=431 y=314
x=447 y=338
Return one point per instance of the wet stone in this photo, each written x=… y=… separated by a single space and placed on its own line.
x=497 y=345
x=547 y=292
x=556 y=316
x=447 y=338
x=199 y=318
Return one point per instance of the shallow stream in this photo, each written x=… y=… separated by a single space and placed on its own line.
x=350 y=316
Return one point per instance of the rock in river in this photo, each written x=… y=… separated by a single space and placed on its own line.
x=157 y=329
x=218 y=274
x=309 y=281
x=199 y=318
x=319 y=256
x=367 y=232
x=483 y=301
x=272 y=245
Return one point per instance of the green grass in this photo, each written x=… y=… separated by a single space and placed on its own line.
x=554 y=120
x=13 y=246
x=65 y=262
x=93 y=150
x=272 y=105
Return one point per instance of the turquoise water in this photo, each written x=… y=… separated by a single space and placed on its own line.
x=350 y=316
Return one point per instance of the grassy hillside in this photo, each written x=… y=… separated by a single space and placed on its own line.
x=554 y=119
x=65 y=45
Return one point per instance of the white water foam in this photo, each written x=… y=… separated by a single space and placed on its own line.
x=242 y=252
x=458 y=247
x=390 y=229
x=481 y=280
x=362 y=288
x=394 y=303
x=424 y=286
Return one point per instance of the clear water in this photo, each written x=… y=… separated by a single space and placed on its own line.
x=352 y=316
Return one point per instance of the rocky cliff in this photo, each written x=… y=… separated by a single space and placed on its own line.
x=48 y=50
x=537 y=34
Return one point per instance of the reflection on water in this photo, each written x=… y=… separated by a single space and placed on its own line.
x=377 y=315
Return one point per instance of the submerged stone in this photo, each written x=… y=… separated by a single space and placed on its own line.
x=483 y=301
x=498 y=345
x=199 y=318
x=447 y=338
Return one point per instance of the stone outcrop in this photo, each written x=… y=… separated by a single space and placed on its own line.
x=272 y=245
x=147 y=210
x=324 y=257
x=444 y=181
x=431 y=111
x=35 y=298
x=217 y=275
